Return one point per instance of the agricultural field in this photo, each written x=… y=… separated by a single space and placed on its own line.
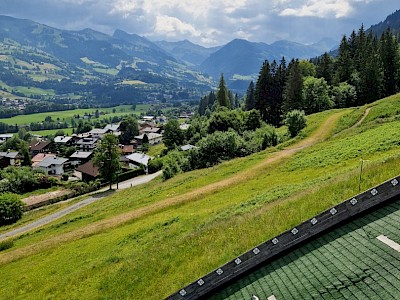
x=149 y=241
x=68 y=114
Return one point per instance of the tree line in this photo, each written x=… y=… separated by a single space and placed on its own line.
x=365 y=69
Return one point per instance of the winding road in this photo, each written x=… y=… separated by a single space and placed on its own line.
x=59 y=214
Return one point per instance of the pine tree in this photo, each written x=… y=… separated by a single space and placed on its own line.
x=389 y=53
x=344 y=66
x=293 y=92
x=222 y=95
x=325 y=68
x=250 y=99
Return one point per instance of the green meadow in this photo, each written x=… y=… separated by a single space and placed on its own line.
x=68 y=114
x=151 y=240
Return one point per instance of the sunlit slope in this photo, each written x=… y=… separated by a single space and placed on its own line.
x=149 y=241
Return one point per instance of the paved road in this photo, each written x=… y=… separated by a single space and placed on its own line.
x=57 y=215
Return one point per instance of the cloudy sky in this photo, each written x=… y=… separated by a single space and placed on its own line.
x=208 y=22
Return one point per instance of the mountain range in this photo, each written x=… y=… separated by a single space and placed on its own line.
x=91 y=56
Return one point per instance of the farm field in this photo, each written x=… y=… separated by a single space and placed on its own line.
x=151 y=240
x=68 y=114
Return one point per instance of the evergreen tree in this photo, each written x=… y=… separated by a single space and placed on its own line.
x=293 y=92
x=261 y=92
x=269 y=91
x=250 y=99
x=203 y=105
x=389 y=53
x=222 y=95
x=325 y=68
x=344 y=66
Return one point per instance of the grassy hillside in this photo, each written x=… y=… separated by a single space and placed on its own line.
x=149 y=241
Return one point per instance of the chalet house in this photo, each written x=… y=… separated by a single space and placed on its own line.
x=80 y=157
x=4 y=137
x=137 y=160
x=39 y=147
x=150 y=129
x=87 y=143
x=52 y=165
x=112 y=127
x=87 y=171
x=38 y=158
x=64 y=140
x=127 y=149
x=148 y=118
x=9 y=158
x=99 y=132
x=154 y=138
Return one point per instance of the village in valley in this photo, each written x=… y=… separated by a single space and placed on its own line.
x=79 y=166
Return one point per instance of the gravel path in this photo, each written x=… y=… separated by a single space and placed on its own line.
x=57 y=215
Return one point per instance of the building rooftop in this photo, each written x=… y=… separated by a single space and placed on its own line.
x=62 y=139
x=187 y=147
x=350 y=251
x=81 y=154
x=150 y=136
x=112 y=127
x=140 y=158
x=89 y=169
x=99 y=131
x=9 y=154
x=48 y=161
x=151 y=129
x=38 y=146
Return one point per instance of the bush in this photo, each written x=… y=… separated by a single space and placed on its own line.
x=296 y=121
x=155 y=165
x=7 y=244
x=10 y=208
x=130 y=174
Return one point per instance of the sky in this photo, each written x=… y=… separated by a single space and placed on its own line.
x=209 y=22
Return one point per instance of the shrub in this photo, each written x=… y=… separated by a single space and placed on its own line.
x=131 y=174
x=7 y=244
x=155 y=165
x=10 y=208
x=296 y=121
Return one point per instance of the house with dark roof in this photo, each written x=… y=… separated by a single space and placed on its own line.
x=87 y=171
x=39 y=147
x=350 y=251
x=150 y=129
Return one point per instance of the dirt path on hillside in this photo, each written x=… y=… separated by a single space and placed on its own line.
x=362 y=118
x=320 y=134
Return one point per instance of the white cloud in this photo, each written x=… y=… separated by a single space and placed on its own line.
x=172 y=27
x=320 y=8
